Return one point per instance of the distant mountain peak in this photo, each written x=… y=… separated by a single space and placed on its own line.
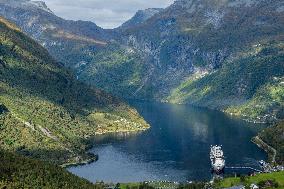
x=41 y=5
x=141 y=16
x=27 y=4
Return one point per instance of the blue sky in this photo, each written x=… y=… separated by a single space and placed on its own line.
x=105 y=13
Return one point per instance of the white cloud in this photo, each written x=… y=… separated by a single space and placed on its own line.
x=105 y=13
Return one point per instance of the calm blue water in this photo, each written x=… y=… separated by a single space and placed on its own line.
x=176 y=148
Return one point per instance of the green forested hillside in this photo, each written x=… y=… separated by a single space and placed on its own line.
x=45 y=112
x=250 y=85
x=274 y=136
x=21 y=172
x=117 y=71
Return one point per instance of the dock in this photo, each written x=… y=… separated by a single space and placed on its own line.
x=250 y=168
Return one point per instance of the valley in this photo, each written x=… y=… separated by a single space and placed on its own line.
x=145 y=100
x=189 y=53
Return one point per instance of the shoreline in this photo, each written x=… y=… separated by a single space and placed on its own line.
x=270 y=151
x=255 y=120
x=80 y=163
x=94 y=157
x=121 y=131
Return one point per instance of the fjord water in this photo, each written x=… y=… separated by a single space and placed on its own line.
x=176 y=148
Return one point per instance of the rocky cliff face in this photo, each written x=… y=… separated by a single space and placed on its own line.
x=177 y=54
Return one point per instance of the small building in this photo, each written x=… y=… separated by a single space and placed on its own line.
x=254 y=186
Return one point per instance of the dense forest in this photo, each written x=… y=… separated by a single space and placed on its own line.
x=274 y=136
x=20 y=172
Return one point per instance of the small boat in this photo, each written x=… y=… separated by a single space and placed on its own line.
x=262 y=163
x=217 y=159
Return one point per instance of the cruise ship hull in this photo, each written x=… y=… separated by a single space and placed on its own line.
x=217 y=159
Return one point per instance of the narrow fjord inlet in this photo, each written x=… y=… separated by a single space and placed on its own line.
x=139 y=94
x=176 y=148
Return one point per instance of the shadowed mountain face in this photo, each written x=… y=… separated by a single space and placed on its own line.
x=20 y=172
x=224 y=54
x=44 y=111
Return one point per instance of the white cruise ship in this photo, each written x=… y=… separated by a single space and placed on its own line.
x=217 y=159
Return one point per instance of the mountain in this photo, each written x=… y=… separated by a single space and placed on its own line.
x=70 y=42
x=140 y=17
x=45 y=113
x=226 y=55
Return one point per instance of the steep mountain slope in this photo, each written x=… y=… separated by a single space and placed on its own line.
x=274 y=136
x=250 y=85
x=224 y=54
x=44 y=111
